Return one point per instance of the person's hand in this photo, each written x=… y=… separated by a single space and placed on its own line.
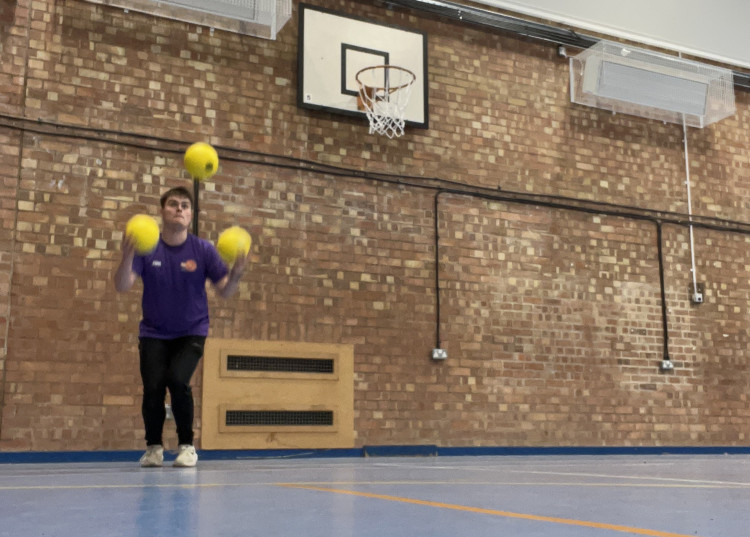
x=127 y=247
x=239 y=267
x=229 y=284
x=124 y=277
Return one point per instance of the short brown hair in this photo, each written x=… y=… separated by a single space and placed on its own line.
x=176 y=192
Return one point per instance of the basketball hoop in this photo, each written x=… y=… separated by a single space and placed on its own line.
x=384 y=92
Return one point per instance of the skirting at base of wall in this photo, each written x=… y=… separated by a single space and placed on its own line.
x=29 y=457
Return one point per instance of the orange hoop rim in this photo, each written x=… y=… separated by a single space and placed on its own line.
x=386 y=66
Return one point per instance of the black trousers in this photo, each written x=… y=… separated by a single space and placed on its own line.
x=169 y=364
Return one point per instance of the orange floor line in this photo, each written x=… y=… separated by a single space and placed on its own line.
x=495 y=512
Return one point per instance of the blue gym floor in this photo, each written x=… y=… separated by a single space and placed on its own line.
x=539 y=496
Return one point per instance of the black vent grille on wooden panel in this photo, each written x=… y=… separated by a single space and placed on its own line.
x=279 y=417
x=271 y=363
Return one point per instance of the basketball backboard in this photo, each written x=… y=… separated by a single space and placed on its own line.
x=333 y=47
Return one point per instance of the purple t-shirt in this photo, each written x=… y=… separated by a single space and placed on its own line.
x=174 y=287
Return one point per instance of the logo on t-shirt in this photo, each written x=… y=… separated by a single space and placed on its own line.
x=189 y=266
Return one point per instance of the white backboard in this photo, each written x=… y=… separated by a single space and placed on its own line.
x=333 y=47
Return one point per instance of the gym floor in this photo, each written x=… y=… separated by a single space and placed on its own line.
x=529 y=496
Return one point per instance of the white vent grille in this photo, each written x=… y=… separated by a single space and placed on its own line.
x=260 y=18
x=652 y=85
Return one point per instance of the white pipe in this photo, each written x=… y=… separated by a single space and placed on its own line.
x=690 y=206
x=693 y=270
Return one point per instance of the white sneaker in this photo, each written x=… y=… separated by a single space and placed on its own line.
x=154 y=456
x=186 y=456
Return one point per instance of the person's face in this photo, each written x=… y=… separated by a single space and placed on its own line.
x=177 y=212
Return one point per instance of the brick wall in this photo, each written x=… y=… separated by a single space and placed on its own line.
x=551 y=315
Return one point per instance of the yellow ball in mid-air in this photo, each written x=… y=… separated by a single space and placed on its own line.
x=201 y=161
x=233 y=242
x=144 y=232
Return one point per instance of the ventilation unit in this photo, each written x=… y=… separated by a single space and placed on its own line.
x=277 y=395
x=260 y=18
x=648 y=84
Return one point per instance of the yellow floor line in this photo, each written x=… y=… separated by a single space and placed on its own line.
x=508 y=514
x=696 y=485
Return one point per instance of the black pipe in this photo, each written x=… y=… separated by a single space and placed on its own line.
x=657 y=223
x=429 y=183
x=665 y=324
x=437 y=274
x=556 y=202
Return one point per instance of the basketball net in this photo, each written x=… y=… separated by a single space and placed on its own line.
x=384 y=92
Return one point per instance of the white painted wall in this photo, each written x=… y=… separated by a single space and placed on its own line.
x=711 y=29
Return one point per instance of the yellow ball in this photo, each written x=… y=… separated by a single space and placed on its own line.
x=233 y=242
x=201 y=161
x=144 y=232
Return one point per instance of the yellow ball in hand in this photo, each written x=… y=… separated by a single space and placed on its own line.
x=144 y=232
x=233 y=242
x=201 y=161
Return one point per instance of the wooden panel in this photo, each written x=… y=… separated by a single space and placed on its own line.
x=227 y=390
